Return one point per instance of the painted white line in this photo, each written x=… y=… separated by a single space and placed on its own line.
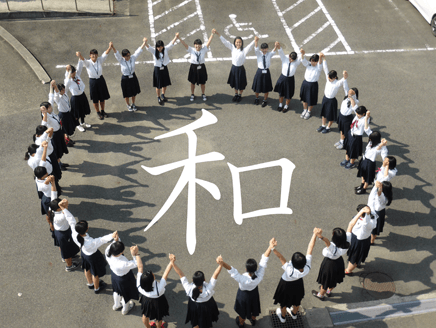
x=155 y=3
x=192 y=32
x=176 y=23
x=285 y=25
x=202 y=25
x=171 y=9
x=151 y=20
x=305 y=18
x=292 y=7
x=331 y=45
x=316 y=33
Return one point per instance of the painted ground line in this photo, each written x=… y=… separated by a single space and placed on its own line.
x=316 y=33
x=331 y=45
x=151 y=19
x=202 y=26
x=175 y=24
x=301 y=21
x=154 y=3
x=292 y=7
x=285 y=25
x=171 y=9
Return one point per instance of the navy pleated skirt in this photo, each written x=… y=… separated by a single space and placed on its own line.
x=55 y=165
x=161 y=77
x=359 y=249
x=237 y=77
x=366 y=170
x=68 y=122
x=98 y=90
x=289 y=293
x=80 y=106
x=285 y=86
x=329 y=109
x=331 y=272
x=262 y=82
x=380 y=222
x=64 y=240
x=309 y=93
x=197 y=75
x=59 y=145
x=125 y=286
x=154 y=308
x=202 y=314
x=353 y=145
x=247 y=303
x=344 y=123
x=45 y=202
x=96 y=263
x=130 y=86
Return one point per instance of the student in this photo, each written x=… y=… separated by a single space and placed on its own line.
x=37 y=156
x=379 y=198
x=332 y=269
x=197 y=70
x=353 y=143
x=237 y=77
x=154 y=304
x=309 y=87
x=388 y=169
x=290 y=290
x=129 y=81
x=262 y=82
x=285 y=85
x=348 y=106
x=123 y=280
x=62 y=232
x=58 y=95
x=329 y=110
x=42 y=134
x=97 y=84
x=79 y=101
x=359 y=234
x=202 y=308
x=161 y=76
x=93 y=261
x=247 y=304
x=45 y=184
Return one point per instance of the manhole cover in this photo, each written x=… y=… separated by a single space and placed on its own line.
x=276 y=323
x=379 y=285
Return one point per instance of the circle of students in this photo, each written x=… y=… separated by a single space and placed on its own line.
x=52 y=139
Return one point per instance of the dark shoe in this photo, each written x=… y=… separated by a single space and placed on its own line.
x=280 y=109
x=104 y=113
x=256 y=101
x=315 y=293
x=325 y=131
x=235 y=98
x=264 y=103
x=358 y=187
x=100 y=115
x=237 y=322
x=285 y=110
x=65 y=164
x=253 y=322
x=63 y=168
x=165 y=99
x=350 y=165
x=91 y=287
x=101 y=286
x=160 y=101
x=320 y=128
x=239 y=98
x=359 y=266
x=344 y=162
x=328 y=294
x=361 y=191
x=70 y=144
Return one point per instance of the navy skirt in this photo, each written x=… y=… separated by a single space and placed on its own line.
x=59 y=145
x=309 y=93
x=53 y=159
x=161 y=77
x=64 y=240
x=202 y=314
x=380 y=222
x=68 y=122
x=289 y=293
x=237 y=78
x=262 y=82
x=353 y=145
x=45 y=202
x=359 y=249
x=197 y=75
x=154 y=308
x=98 y=90
x=331 y=272
x=285 y=86
x=130 y=86
x=125 y=286
x=80 y=106
x=344 y=123
x=366 y=170
x=329 y=109
x=96 y=263
x=247 y=303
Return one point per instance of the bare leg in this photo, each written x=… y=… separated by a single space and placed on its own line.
x=265 y=96
x=203 y=88
x=146 y=321
x=288 y=101
x=96 y=107
x=163 y=90
x=295 y=308
x=330 y=124
x=373 y=237
x=241 y=321
x=102 y=105
x=257 y=94
x=88 y=276
x=324 y=121
x=310 y=108
x=96 y=281
x=281 y=99
x=158 y=92
x=133 y=99
x=192 y=88
x=350 y=267
x=322 y=291
x=240 y=92
x=305 y=105
x=69 y=261
x=127 y=101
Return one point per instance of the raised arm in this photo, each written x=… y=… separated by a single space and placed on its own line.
x=248 y=48
x=353 y=221
x=108 y=50
x=182 y=42
x=224 y=264
x=256 y=41
x=209 y=41
x=271 y=246
x=218 y=270
x=318 y=233
x=140 y=265
x=145 y=43
x=279 y=255
x=312 y=243
x=177 y=269
x=169 y=266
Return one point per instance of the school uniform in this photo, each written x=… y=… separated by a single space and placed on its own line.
x=129 y=81
x=366 y=168
x=34 y=162
x=64 y=112
x=285 y=85
x=332 y=269
x=51 y=155
x=154 y=304
x=309 y=87
x=197 y=70
x=237 y=76
x=353 y=143
x=262 y=82
x=203 y=311
x=345 y=117
x=290 y=290
x=380 y=174
x=161 y=76
x=360 y=239
x=247 y=302
x=377 y=204
x=123 y=280
x=47 y=197
x=97 y=84
x=329 y=108
x=62 y=234
x=58 y=140
x=79 y=102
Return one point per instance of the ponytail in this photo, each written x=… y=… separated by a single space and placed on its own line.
x=251 y=267
x=197 y=279
x=30 y=151
x=195 y=293
x=116 y=248
x=81 y=228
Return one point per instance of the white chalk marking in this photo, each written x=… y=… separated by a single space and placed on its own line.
x=202 y=25
x=292 y=7
x=151 y=20
x=239 y=28
x=316 y=33
x=155 y=3
x=176 y=23
x=285 y=25
x=331 y=45
x=301 y=21
x=171 y=9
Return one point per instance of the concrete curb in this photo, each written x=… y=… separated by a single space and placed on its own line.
x=27 y=56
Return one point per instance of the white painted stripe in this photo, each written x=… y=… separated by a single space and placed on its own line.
x=292 y=7
x=203 y=26
x=301 y=21
x=171 y=9
x=176 y=23
x=335 y=27
x=151 y=20
x=331 y=45
x=285 y=25
x=192 y=32
x=156 y=2
x=316 y=33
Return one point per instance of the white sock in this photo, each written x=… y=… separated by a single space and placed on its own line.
x=280 y=105
x=327 y=128
x=286 y=106
x=323 y=125
x=117 y=300
x=341 y=141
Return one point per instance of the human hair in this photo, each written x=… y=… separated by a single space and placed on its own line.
x=40 y=129
x=298 y=260
x=392 y=162
x=356 y=91
x=387 y=191
x=147 y=281
x=314 y=58
x=333 y=75
x=81 y=228
x=116 y=248
x=54 y=204
x=374 y=138
x=361 y=110
x=93 y=52
x=30 y=151
x=197 y=279
x=360 y=207
x=339 y=238
x=198 y=41
x=239 y=38
x=159 y=43
x=251 y=267
x=60 y=86
x=293 y=55
x=125 y=52
x=264 y=46
x=40 y=171
x=73 y=69
x=45 y=104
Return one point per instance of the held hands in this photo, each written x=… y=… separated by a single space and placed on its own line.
x=51 y=178
x=177 y=35
x=345 y=74
x=144 y=40
x=302 y=52
x=277 y=44
x=44 y=144
x=272 y=243
x=172 y=258
x=134 y=250
x=63 y=204
x=115 y=235
x=256 y=38
x=317 y=232
x=111 y=45
x=368 y=114
x=321 y=55
x=53 y=83
x=384 y=142
x=78 y=54
x=219 y=260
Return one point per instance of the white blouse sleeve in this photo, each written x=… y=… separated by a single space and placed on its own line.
x=248 y=48
x=226 y=43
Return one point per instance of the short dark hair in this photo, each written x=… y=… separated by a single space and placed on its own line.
x=392 y=162
x=264 y=46
x=333 y=75
x=116 y=248
x=40 y=171
x=361 y=110
x=339 y=238
x=375 y=138
x=45 y=104
x=125 y=52
x=60 y=86
x=298 y=260
x=251 y=267
x=293 y=55
x=73 y=69
x=356 y=92
x=93 y=52
x=314 y=58
x=147 y=281
x=387 y=191
x=198 y=41
x=54 y=204
x=40 y=129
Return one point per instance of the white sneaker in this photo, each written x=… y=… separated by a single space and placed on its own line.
x=131 y=305
x=340 y=146
x=204 y=97
x=80 y=128
x=86 y=125
x=279 y=314
x=115 y=308
x=130 y=108
x=303 y=113
x=307 y=115
x=192 y=98
x=289 y=310
x=134 y=108
x=337 y=144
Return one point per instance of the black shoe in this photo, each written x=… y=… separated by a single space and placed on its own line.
x=361 y=191
x=72 y=141
x=235 y=98
x=165 y=99
x=70 y=144
x=253 y=322
x=104 y=113
x=91 y=287
x=65 y=164
x=358 y=187
x=315 y=293
x=237 y=322
x=239 y=98
x=264 y=103
x=285 y=109
x=63 y=168
x=102 y=285
x=256 y=101
x=280 y=108
x=160 y=101
x=320 y=128
x=100 y=115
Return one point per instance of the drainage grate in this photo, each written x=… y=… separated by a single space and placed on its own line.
x=379 y=285
x=290 y=323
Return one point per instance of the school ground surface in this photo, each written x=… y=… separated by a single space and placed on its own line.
x=389 y=52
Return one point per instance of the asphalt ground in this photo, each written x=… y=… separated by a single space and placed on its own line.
x=106 y=185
